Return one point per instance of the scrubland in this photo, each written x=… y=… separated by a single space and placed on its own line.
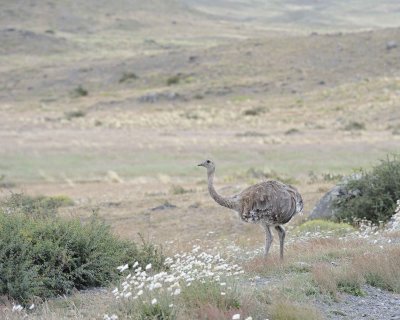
x=110 y=106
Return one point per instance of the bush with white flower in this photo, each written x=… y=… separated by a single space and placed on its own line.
x=157 y=294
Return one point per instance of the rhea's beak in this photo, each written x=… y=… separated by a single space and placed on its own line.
x=201 y=165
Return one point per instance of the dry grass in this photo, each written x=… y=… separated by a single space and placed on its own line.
x=301 y=255
x=78 y=306
x=211 y=312
x=380 y=269
x=331 y=279
x=287 y=310
x=201 y=295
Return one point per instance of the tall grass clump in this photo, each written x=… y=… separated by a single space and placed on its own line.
x=332 y=280
x=43 y=255
x=374 y=194
x=204 y=297
x=381 y=269
x=287 y=310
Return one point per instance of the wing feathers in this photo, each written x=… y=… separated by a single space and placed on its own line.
x=272 y=201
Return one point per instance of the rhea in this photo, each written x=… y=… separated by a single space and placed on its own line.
x=268 y=203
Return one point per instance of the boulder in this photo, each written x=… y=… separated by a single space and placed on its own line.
x=391 y=45
x=324 y=209
x=154 y=97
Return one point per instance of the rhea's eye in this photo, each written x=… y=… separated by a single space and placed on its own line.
x=208 y=161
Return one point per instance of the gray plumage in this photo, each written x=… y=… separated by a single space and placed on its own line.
x=268 y=203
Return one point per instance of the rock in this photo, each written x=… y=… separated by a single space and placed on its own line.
x=164 y=206
x=324 y=209
x=394 y=222
x=391 y=45
x=154 y=97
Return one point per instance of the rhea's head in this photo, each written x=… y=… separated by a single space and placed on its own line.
x=209 y=164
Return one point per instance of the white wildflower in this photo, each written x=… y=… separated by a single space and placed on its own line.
x=127 y=295
x=32 y=306
x=171 y=305
x=123 y=267
x=249 y=318
x=154 y=301
x=157 y=285
x=177 y=292
x=236 y=316
x=140 y=293
x=114 y=317
x=148 y=267
x=17 y=308
x=223 y=293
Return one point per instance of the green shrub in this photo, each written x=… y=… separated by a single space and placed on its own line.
x=128 y=76
x=177 y=189
x=292 y=131
x=354 y=125
x=378 y=192
x=79 y=92
x=42 y=255
x=74 y=114
x=40 y=206
x=173 y=80
x=255 y=111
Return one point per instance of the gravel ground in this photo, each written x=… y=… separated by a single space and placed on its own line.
x=377 y=304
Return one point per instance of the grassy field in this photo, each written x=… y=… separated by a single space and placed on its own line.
x=114 y=104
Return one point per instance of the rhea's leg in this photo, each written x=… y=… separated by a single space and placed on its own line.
x=268 y=239
x=281 y=234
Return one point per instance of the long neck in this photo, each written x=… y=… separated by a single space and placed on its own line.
x=214 y=194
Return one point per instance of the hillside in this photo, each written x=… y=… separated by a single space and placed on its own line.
x=114 y=103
